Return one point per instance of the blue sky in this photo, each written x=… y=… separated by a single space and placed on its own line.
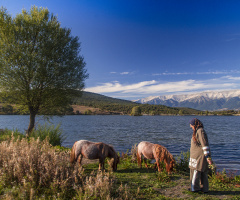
x=139 y=48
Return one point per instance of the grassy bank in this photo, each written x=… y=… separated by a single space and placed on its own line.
x=34 y=169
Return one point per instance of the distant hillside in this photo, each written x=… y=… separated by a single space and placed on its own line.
x=89 y=98
x=212 y=101
x=92 y=103
x=105 y=103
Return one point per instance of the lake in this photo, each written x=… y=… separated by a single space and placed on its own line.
x=123 y=132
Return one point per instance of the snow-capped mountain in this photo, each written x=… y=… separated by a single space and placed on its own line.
x=214 y=100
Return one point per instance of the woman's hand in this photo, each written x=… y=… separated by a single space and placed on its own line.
x=209 y=160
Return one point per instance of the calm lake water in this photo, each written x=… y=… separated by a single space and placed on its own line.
x=123 y=132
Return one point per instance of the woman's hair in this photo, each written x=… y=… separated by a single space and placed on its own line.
x=196 y=124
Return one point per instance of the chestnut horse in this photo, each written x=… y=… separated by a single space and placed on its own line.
x=93 y=150
x=155 y=151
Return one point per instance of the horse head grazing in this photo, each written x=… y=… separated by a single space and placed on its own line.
x=155 y=151
x=113 y=154
x=169 y=162
x=164 y=155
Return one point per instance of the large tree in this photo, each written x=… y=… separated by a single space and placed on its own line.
x=40 y=63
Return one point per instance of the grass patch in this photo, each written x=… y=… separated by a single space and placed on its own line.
x=33 y=169
x=53 y=134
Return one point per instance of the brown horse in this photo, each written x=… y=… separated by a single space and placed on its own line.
x=92 y=150
x=155 y=151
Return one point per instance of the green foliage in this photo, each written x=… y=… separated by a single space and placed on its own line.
x=53 y=134
x=6 y=109
x=182 y=162
x=136 y=111
x=6 y=134
x=163 y=176
x=88 y=112
x=222 y=180
x=41 y=67
x=225 y=112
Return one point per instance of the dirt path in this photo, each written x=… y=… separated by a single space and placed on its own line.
x=180 y=190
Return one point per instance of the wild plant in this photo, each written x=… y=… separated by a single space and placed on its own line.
x=182 y=161
x=33 y=169
x=163 y=176
x=32 y=166
x=134 y=153
x=54 y=134
x=6 y=134
x=223 y=180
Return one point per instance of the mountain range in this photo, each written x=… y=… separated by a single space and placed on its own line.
x=211 y=100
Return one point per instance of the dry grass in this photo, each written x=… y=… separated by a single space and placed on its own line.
x=35 y=170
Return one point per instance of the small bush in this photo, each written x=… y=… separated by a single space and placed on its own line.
x=182 y=162
x=222 y=180
x=6 y=134
x=136 y=111
x=53 y=134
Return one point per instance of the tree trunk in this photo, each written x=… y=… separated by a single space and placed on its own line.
x=31 y=123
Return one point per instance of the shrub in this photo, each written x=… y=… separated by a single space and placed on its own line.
x=6 y=134
x=53 y=134
x=222 y=180
x=136 y=111
x=88 y=112
x=182 y=162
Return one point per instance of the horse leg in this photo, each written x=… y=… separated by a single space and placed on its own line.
x=158 y=165
x=145 y=161
x=155 y=165
x=80 y=159
x=101 y=164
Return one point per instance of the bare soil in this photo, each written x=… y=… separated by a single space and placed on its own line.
x=96 y=111
x=180 y=191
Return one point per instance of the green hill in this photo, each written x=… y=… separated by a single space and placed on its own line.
x=89 y=98
x=100 y=104
x=125 y=107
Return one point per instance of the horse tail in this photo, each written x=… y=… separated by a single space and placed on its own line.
x=72 y=154
x=139 y=157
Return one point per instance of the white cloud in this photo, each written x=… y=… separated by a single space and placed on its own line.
x=124 y=73
x=197 y=73
x=153 y=87
x=232 y=78
x=117 y=87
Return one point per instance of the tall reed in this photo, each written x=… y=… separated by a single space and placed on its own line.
x=35 y=170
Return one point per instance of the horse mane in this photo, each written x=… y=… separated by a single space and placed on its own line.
x=111 y=150
x=72 y=154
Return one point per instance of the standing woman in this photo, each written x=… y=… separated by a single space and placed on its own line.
x=200 y=157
